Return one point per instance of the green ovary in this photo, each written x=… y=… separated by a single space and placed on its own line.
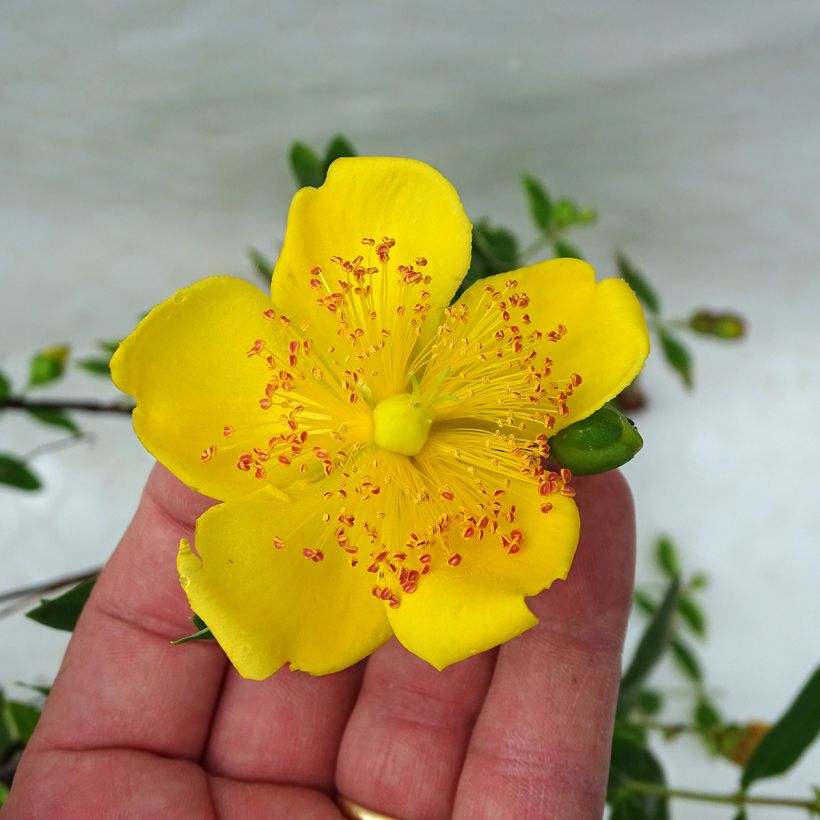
x=401 y=424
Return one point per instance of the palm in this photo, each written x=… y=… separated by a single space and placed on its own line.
x=136 y=727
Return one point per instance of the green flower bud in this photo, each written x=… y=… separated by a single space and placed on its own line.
x=721 y=325
x=603 y=441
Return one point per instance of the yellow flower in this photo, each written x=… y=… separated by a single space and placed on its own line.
x=379 y=452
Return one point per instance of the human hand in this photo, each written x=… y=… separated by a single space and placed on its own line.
x=136 y=727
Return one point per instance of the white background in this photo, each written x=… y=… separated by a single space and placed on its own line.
x=142 y=146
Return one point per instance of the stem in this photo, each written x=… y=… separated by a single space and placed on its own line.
x=19 y=403
x=48 y=586
x=536 y=246
x=738 y=799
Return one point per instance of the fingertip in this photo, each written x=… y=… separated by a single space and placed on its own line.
x=173 y=498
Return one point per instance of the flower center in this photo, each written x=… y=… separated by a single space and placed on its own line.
x=401 y=424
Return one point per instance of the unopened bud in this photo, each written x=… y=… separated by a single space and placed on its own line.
x=603 y=441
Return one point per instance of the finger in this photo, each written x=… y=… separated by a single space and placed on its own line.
x=286 y=729
x=405 y=743
x=122 y=683
x=541 y=744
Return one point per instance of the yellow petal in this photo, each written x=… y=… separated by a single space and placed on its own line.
x=268 y=605
x=374 y=198
x=187 y=367
x=606 y=340
x=458 y=611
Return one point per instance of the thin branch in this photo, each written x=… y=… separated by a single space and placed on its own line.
x=49 y=586
x=738 y=799
x=20 y=403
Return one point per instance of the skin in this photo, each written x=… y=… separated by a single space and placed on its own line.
x=138 y=728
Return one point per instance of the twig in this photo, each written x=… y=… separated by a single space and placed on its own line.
x=19 y=403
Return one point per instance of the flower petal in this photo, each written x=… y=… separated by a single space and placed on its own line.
x=458 y=611
x=187 y=367
x=374 y=197
x=268 y=605
x=606 y=340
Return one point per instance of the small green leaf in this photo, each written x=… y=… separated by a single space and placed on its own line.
x=639 y=284
x=338 y=147
x=651 y=647
x=21 y=719
x=706 y=714
x=45 y=691
x=632 y=761
x=722 y=325
x=650 y=701
x=5 y=735
x=685 y=659
x=95 y=365
x=64 y=611
x=677 y=356
x=565 y=213
x=5 y=386
x=109 y=346
x=667 y=556
x=16 y=474
x=47 y=365
x=782 y=746
x=741 y=815
x=539 y=203
x=600 y=442
x=645 y=602
x=203 y=633
x=4 y=793
x=698 y=581
x=262 y=265
x=495 y=250
x=55 y=418
x=566 y=250
x=692 y=615
x=306 y=166
x=587 y=216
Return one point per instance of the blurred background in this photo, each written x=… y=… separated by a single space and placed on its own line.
x=143 y=146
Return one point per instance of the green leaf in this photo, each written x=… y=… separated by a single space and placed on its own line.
x=495 y=250
x=6 y=738
x=667 y=556
x=644 y=602
x=5 y=386
x=55 y=418
x=21 y=719
x=686 y=660
x=203 y=632
x=45 y=691
x=587 y=216
x=539 y=203
x=741 y=815
x=4 y=793
x=698 y=581
x=677 y=356
x=650 y=701
x=109 y=346
x=95 y=365
x=600 y=442
x=639 y=284
x=262 y=265
x=63 y=612
x=47 y=365
x=338 y=147
x=706 y=714
x=566 y=250
x=307 y=168
x=651 y=647
x=565 y=213
x=692 y=615
x=632 y=761
x=782 y=746
x=720 y=325
x=16 y=474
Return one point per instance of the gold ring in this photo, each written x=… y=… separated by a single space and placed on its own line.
x=355 y=811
